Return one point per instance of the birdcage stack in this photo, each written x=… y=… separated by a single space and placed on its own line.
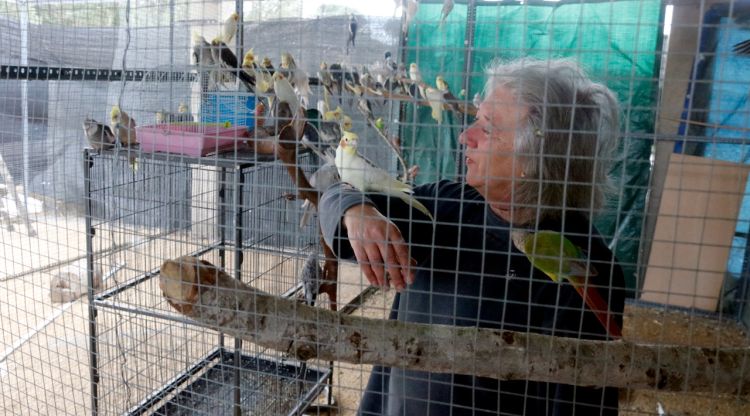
x=234 y=207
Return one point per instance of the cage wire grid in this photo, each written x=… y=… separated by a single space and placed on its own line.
x=86 y=323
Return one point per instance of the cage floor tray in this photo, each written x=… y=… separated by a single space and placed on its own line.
x=266 y=388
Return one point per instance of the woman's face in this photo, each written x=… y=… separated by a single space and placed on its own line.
x=490 y=165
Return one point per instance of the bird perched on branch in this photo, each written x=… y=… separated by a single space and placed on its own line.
x=204 y=59
x=448 y=97
x=263 y=78
x=352 y=32
x=435 y=99
x=229 y=29
x=312 y=278
x=224 y=56
x=356 y=170
x=330 y=125
x=297 y=77
x=99 y=135
x=415 y=90
x=559 y=258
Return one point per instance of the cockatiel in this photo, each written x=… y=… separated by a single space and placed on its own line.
x=352 y=32
x=416 y=76
x=330 y=126
x=229 y=29
x=356 y=170
x=559 y=258
x=390 y=64
x=99 y=135
x=284 y=92
x=311 y=277
x=337 y=74
x=445 y=11
x=263 y=78
x=204 y=59
x=346 y=123
x=224 y=56
x=325 y=78
x=182 y=115
x=435 y=99
x=123 y=126
x=297 y=77
x=267 y=65
x=448 y=97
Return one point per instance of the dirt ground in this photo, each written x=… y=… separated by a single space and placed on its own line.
x=45 y=362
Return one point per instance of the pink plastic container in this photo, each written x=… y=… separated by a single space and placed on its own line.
x=189 y=139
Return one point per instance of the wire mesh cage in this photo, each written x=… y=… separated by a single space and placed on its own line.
x=556 y=190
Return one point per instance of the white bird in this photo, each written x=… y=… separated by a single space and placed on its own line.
x=356 y=170
x=435 y=99
x=284 y=92
x=416 y=76
x=297 y=77
x=230 y=28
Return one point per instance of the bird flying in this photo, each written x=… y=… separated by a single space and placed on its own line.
x=559 y=258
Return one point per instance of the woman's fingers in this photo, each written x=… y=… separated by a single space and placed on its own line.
x=375 y=262
x=379 y=247
x=361 y=255
x=402 y=258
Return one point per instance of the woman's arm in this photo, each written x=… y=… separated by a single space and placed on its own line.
x=353 y=225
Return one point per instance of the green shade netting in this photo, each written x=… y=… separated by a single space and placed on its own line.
x=617 y=43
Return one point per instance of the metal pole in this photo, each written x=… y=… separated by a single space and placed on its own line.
x=239 y=180
x=88 y=163
x=24 y=21
x=222 y=224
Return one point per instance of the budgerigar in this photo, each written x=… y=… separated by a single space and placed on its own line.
x=356 y=170
x=558 y=257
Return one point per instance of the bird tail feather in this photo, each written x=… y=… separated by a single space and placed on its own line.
x=413 y=202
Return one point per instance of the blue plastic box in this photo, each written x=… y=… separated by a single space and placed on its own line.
x=222 y=107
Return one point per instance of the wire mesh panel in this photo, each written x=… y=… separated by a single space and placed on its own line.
x=204 y=205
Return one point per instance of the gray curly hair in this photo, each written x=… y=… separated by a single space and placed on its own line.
x=566 y=146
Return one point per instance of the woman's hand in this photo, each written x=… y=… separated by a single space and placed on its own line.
x=379 y=247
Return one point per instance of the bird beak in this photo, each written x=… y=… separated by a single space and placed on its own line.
x=342 y=143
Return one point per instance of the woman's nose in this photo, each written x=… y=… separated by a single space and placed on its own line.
x=465 y=136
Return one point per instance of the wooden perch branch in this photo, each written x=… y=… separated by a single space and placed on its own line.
x=208 y=295
x=397 y=151
x=286 y=151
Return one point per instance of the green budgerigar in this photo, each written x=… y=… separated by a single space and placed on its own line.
x=558 y=257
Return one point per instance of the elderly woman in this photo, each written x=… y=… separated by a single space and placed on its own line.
x=536 y=158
